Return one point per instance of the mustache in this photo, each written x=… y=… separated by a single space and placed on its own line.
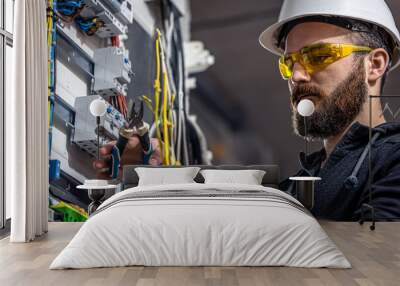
x=301 y=91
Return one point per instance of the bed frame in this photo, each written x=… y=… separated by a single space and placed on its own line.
x=130 y=178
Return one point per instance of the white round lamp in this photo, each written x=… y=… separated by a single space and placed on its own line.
x=98 y=107
x=306 y=107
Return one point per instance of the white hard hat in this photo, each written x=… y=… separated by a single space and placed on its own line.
x=370 y=11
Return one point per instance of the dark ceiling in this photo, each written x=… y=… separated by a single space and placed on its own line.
x=244 y=86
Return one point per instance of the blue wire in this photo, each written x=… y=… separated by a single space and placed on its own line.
x=69 y=8
x=83 y=24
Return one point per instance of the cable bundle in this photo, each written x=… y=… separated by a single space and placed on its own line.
x=119 y=103
x=170 y=115
x=163 y=105
x=89 y=25
x=169 y=118
x=69 y=10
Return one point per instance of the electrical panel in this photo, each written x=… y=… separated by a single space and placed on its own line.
x=85 y=124
x=112 y=26
x=112 y=71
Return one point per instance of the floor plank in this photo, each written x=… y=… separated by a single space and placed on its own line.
x=375 y=257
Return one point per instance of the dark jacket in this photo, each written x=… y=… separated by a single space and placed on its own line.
x=344 y=185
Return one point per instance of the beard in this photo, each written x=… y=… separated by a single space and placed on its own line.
x=335 y=111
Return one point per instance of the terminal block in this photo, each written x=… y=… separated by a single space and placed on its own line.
x=112 y=26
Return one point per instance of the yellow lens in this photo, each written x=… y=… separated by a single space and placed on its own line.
x=286 y=67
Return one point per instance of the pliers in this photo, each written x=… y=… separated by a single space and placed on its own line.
x=134 y=126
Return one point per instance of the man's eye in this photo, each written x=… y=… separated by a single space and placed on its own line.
x=320 y=58
x=288 y=61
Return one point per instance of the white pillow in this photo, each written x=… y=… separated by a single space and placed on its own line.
x=248 y=177
x=162 y=176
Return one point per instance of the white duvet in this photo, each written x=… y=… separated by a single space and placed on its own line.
x=208 y=230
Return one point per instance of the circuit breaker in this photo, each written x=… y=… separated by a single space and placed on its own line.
x=85 y=124
x=112 y=71
x=123 y=9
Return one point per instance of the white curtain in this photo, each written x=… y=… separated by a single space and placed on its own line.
x=27 y=124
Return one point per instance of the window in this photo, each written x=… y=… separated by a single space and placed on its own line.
x=6 y=44
x=8 y=72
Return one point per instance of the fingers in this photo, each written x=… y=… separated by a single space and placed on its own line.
x=156 y=156
x=131 y=155
x=106 y=149
x=134 y=142
x=102 y=170
x=100 y=165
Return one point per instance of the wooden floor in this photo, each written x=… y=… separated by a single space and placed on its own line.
x=375 y=257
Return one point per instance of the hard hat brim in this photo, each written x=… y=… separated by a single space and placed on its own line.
x=268 y=38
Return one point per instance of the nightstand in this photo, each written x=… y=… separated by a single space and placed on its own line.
x=96 y=192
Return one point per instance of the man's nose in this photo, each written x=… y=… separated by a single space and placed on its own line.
x=300 y=74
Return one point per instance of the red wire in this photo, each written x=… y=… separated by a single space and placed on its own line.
x=115 y=41
x=124 y=105
x=118 y=103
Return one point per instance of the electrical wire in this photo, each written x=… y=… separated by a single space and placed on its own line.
x=170 y=34
x=165 y=93
x=51 y=42
x=162 y=110
x=165 y=120
x=177 y=120
x=169 y=106
x=157 y=87
x=68 y=10
x=89 y=25
x=182 y=149
x=166 y=56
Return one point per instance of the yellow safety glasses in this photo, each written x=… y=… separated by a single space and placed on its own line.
x=317 y=57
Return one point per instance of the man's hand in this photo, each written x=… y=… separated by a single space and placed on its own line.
x=133 y=154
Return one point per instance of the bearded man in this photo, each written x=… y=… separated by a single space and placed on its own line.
x=336 y=54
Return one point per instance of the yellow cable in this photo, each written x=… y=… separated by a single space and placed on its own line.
x=166 y=113
x=165 y=120
x=171 y=125
x=157 y=87
x=163 y=115
x=148 y=103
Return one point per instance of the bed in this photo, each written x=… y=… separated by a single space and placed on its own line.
x=201 y=224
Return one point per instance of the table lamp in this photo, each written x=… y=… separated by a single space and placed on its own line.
x=96 y=188
x=305 y=185
x=98 y=108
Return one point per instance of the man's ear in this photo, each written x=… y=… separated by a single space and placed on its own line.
x=377 y=63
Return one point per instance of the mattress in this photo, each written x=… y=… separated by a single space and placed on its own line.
x=201 y=225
